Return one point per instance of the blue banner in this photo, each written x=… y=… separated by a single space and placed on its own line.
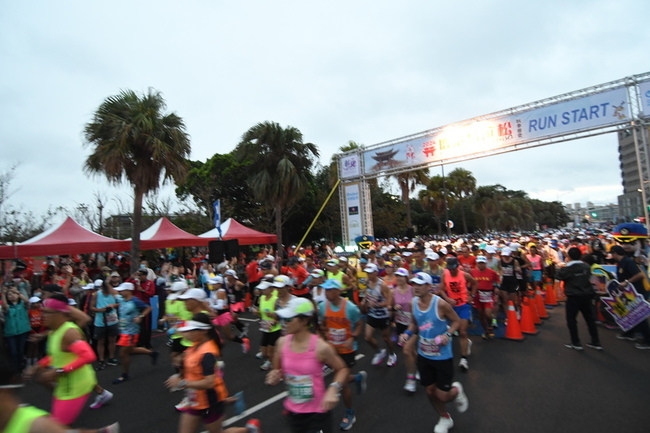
x=217 y=216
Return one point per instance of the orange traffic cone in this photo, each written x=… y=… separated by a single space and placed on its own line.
x=513 y=330
x=533 y=308
x=550 y=298
x=539 y=303
x=559 y=290
x=527 y=322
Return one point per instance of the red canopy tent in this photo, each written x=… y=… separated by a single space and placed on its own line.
x=66 y=238
x=232 y=229
x=164 y=234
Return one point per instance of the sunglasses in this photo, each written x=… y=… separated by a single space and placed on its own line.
x=287 y=319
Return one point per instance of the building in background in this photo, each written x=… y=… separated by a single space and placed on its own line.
x=630 y=203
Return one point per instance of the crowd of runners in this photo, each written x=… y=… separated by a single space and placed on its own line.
x=407 y=299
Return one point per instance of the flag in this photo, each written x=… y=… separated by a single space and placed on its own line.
x=217 y=216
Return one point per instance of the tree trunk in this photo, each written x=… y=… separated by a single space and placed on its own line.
x=462 y=212
x=136 y=228
x=279 y=250
x=407 y=204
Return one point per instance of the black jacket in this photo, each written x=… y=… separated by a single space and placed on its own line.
x=577 y=279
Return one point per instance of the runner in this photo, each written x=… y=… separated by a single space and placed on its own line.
x=219 y=301
x=299 y=360
x=20 y=418
x=68 y=364
x=317 y=277
x=376 y=303
x=509 y=282
x=104 y=304
x=269 y=326
x=456 y=287
x=236 y=292
x=435 y=358
x=203 y=382
x=131 y=312
x=341 y=321
x=487 y=279
x=404 y=316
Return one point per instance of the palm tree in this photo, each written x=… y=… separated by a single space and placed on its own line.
x=435 y=199
x=487 y=201
x=279 y=166
x=134 y=140
x=462 y=185
x=408 y=182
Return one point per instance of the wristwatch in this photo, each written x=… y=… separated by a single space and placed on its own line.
x=59 y=371
x=337 y=385
x=182 y=384
x=448 y=335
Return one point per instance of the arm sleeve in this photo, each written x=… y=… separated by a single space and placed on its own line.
x=207 y=364
x=85 y=355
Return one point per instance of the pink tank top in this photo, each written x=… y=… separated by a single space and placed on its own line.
x=303 y=375
x=535 y=261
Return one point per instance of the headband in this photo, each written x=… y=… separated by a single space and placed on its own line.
x=191 y=325
x=55 y=304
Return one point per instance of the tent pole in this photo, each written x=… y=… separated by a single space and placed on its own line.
x=338 y=181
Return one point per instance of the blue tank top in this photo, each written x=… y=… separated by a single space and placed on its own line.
x=430 y=325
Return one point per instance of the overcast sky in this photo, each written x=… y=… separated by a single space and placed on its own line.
x=367 y=71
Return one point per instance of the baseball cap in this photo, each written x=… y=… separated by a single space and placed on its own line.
x=506 y=251
x=192 y=325
x=343 y=259
x=296 y=307
x=281 y=281
x=114 y=274
x=617 y=249
x=481 y=259
x=216 y=280
x=370 y=268
x=125 y=286
x=34 y=299
x=422 y=278
x=396 y=258
x=402 y=272
x=317 y=273
x=263 y=285
x=433 y=256
x=98 y=283
x=443 y=251
x=332 y=262
x=90 y=286
x=231 y=272
x=452 y=262
x=363 y=261
x=490 y=249
x=197 y=294
x=332 y=283
x=179 y=286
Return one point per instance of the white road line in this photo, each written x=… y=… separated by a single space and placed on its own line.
x=265 y=403
x=249 y=320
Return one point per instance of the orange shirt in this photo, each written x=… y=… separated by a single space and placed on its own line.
x=195 y=364
x=338 y=327
x=456 y=287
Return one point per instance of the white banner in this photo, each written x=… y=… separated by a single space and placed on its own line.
x=350 y=166
x=353 y=210
x=468 y=138
x=644 y=91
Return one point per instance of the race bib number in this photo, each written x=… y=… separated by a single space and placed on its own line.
x=337 y=336
x=301 y=388
x=266 y=325
x=190 y=394
x=402 y=317
x=484 y=296
x=428 y=347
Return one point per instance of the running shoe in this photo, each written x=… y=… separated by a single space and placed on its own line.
x=184 y=404
x=240 y=404
x=348 y=421
x=266 y=366
x=495 y=324
x=595 y=346
x=463 y=365
x=443 y=425
x=113 y=428
x=392 y=360
x=361 y=380
x=254 y=426
x=112 y=362
x=100 y=365
x=379 y=357
x=574 y=346
x=490 y=333
x=461 y=402
x=410 y=386
x=626 y=337
x=469 y=347
x=417 y=375
x=123 y=378
x=245 y=345
x=642 y=346
x=101 y=399
x=484 y=336
x=259 y=355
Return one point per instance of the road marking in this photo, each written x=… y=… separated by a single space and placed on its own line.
x=265 y=403
x=249 y=320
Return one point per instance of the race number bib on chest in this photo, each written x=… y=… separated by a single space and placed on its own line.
x=301 y=388
x=337 y=336
x=428 y=347
x=484 y=296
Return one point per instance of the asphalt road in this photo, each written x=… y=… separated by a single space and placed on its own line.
x=536 y=385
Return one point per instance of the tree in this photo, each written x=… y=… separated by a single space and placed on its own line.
x=462 y=184
x=278 y=166
x=133 y=140
x=435 y=199
x=408 y=182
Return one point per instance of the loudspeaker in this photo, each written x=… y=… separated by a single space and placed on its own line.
x=223 y=250
x=410 y=232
